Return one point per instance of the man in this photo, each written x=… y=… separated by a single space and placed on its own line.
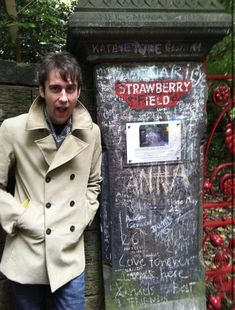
x=56 y=150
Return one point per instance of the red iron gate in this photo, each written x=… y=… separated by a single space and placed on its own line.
x=219 y=195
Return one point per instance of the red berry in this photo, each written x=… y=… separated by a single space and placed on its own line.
x=216 y=240
x=215 y=301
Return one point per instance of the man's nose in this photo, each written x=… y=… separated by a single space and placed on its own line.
x=63 y=95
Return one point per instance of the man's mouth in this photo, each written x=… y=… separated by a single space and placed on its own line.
x=61 y=109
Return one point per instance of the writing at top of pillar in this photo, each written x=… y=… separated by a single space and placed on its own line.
x=132 y=30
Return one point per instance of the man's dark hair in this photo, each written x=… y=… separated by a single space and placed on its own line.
x=62 y=62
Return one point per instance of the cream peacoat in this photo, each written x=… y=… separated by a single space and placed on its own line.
x=44 y=243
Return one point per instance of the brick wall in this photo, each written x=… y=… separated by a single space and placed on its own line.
x=18 y=87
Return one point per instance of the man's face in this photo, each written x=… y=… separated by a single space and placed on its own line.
x=60 y=97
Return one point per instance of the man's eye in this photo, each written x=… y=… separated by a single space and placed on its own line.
x=71 y=88
x=55 y=88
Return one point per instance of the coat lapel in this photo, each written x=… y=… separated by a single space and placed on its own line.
x=48 y=148
x=70 y=148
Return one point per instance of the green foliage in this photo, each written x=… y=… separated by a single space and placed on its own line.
x=222 y=51
x=220 y=62
x=220 y=58
x=42 y=28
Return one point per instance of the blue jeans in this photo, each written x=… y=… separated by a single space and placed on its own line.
x=34 y=296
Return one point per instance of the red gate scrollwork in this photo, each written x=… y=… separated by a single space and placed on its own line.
x=218 y=196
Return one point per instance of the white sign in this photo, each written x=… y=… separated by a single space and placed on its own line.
x=153 y=142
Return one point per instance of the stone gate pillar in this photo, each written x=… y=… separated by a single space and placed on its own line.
x=150 y=90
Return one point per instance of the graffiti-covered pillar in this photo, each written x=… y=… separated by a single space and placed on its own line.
x=153 y=119
x=150 y=93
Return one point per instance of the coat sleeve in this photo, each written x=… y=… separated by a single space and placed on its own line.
x=95 y=179
x=10 y=208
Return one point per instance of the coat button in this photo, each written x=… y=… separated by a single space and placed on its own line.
x=72 y=228
x=48 y=179
x=72 y=203
x=72 y=176
x=48 y=205
x=48 y=231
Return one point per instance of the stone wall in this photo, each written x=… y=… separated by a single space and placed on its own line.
x=18 y=87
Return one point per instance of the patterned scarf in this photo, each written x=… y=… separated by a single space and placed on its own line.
x=59 y=138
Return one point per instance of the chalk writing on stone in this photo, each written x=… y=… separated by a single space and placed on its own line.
x=151 y=212
x=145 y=49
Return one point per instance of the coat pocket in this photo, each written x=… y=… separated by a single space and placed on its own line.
x=91 y=212
x=31 y=221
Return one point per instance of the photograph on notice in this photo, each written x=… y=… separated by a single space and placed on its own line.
x=154 y=135
x=153 y=141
